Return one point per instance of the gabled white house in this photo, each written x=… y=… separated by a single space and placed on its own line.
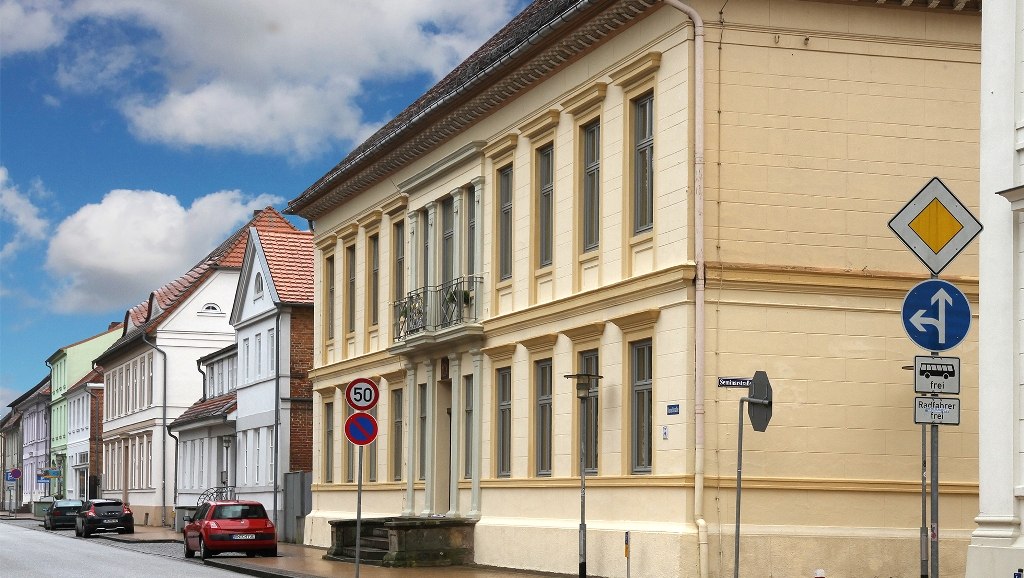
x=151 y=375
x=84 y=417
x=34 y=407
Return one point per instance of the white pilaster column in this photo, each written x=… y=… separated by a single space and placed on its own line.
x=455 y=371
x=478 y=373
x=409 y=508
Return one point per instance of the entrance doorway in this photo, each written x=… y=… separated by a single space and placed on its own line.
x=442 y=446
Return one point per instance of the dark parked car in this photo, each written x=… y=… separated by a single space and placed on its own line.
x=229 y=526
x=104 y=516
x=61 y=514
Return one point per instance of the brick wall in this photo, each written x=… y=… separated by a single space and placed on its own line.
x=301 y=426
x=96 y=432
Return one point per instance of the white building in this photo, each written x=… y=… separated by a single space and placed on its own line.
x=997 y=545
x=84 y=403
x=34 y=406
x=151 y=375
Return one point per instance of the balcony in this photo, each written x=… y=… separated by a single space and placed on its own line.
x=440 y=313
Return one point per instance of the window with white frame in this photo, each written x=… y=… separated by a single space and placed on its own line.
x=258 y=347
x=272 y=350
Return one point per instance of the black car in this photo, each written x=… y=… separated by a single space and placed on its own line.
x=61 y=514
x=104 y=516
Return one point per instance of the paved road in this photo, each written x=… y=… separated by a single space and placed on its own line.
x=26 y=552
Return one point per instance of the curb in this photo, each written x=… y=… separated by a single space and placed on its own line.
x=254 y=570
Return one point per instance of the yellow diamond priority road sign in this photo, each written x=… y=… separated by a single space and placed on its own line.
x=935 y=225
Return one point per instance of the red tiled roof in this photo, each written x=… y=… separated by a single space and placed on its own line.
x=221 y=405
x=290 y=257
x=94 y=376
x=228 y=255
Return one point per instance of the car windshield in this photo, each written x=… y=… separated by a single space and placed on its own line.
x=65 y=504
x=239 y=511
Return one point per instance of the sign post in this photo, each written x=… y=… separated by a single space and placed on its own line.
x=759 y=398
x=361 y=429
x=936 y=227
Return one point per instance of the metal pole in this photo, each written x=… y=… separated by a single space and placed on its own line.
x=935 y=500
x=583 y=489
x=359 y=508
x=739 y=492
x=627 y=554
x=924 y=501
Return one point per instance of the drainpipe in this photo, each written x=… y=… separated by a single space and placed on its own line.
x=174 y=498
x=277 y=404
x=698 y=257
x=163 y=438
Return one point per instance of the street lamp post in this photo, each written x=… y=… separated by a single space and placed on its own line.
x=584 y=383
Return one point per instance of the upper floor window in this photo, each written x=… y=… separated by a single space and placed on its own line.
x=447 y=239
x=258 y=285
x=210 y=308
x=398 y=250
x=471 y=234
x=374 y=280
x=545 y=205
x=329 y=296
x=588 y=363
x=505 y=223
x=641 y=377
x=350 y=289
x=591 y=210
x=542 y=384
x=643 y=163
x=504 y=422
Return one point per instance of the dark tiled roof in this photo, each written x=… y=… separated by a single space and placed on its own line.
x=521 y=37
x=32 y=391
x=228 y=255
x=221 y=405
x=290 y=257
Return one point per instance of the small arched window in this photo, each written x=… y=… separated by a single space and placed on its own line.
x=211 y=308
x=258 y=284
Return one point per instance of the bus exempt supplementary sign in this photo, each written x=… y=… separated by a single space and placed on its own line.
x=937 y=410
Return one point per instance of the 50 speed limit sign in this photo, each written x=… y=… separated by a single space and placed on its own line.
x=362 y=394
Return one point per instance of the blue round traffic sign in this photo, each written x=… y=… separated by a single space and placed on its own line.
x=361 y=428
x=936 y=315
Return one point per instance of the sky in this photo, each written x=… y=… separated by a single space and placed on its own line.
x=136 y=135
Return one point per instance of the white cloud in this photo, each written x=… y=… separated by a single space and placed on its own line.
x=22 y=214
x=262 y=75
x=29 y=25
x=111 y=255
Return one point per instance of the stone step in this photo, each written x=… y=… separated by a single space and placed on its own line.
x=365 y=554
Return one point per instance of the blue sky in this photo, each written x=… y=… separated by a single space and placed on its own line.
x=135 y=135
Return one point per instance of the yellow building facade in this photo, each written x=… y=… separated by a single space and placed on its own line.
x=557 y=206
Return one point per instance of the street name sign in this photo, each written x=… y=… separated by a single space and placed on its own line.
x=937 y=410
x=734 y=382
x=935 y=225
x=936 y=374
x=936 y=315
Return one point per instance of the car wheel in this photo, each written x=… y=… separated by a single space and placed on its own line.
x=250 y=554
x=85 y=532
x=46 y=525
x=270 y=552
x=78 y=532
x=204 y=552
x=188 y=553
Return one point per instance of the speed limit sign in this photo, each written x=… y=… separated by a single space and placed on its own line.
x=362 y=394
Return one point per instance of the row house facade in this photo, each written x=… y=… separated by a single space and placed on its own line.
x=150 y=375
x=254 y=421
x=997 y=544
x=67 y=366
x=85 y=434
x=10 y=458
x=34 y=408
x=627 y=190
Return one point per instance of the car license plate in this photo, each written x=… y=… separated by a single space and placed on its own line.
x=245 y=536
x=110 y=521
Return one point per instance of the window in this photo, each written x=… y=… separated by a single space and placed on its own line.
x=398 y=276
x=256 y=435
x=329 y=442
x=232 y=364
x=396 y=434
x=447 y=239
x=272 y=349
x=545 y=205
x=245 y=457
x=641 y=407
x=591 y=216
x=329 y=310
x=202 y=461
x=259 y=355
x=374 y=280
x=350 y=450
x=471 y=233
x=643 y=163
x=258 y=285
x=350 y=297
x=591 y=428
x=245 y=357
x=220 y=378
x=467 y=386
x=425 y=235
x=421 y=469
x=149 y=380
x=371 y=453
x=505 y=223
x=542 y=375
x=271 y=431
x=504 y=421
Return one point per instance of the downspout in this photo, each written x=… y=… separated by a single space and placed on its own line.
x=174 y=498
x=163 y=438
x=698 y=257
x=277 y=405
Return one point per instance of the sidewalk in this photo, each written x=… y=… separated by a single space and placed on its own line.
x=296 y=561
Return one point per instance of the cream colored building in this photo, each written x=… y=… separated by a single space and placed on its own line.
x=557 y=205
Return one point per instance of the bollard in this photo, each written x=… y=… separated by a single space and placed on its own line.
x=819 y=573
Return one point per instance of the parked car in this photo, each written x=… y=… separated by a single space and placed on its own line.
x=229 y=526
x=61 y=514
x=104 y=516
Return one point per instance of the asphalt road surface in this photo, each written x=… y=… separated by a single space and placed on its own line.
x=30 y=553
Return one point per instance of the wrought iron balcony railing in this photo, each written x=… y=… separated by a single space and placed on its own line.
x=438 y=307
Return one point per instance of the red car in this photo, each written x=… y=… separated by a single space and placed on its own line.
x=229 y=526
